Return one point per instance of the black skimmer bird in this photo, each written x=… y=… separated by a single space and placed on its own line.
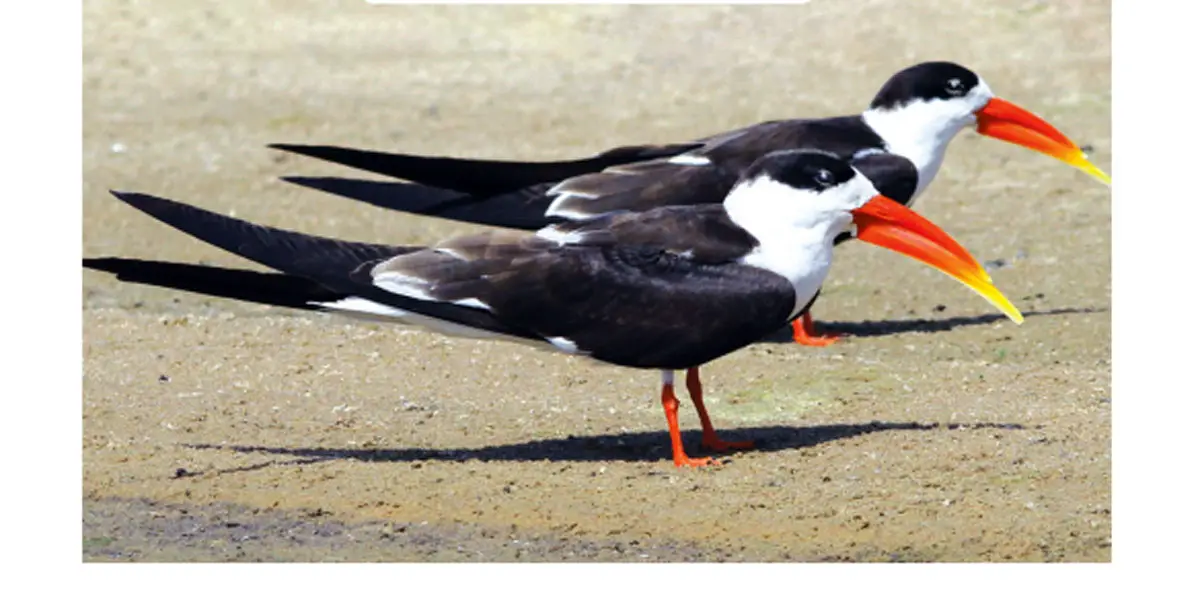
x=669 y=289
x=898 y=142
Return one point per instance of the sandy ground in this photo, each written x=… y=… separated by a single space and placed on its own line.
x=938 y=432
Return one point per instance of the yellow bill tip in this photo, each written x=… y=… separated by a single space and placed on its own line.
x=1091 y=169
x=995 y=297
x=1009 y=310
x=1081 y=162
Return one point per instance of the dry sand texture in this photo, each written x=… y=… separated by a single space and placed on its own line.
x=215 y=430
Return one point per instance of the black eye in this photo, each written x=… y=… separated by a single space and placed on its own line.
x=955 y=87
x=824 y=178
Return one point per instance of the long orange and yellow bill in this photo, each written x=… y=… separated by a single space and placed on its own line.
x=1006 y=121
x=887 y=223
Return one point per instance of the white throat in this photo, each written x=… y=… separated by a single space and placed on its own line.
x=795 y=230
x=922 y=130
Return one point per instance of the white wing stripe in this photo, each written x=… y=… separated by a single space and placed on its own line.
x=554 y=234
x=556 y=208
x=690 y=160
x=404 y=286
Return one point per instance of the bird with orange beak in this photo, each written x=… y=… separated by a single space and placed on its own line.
x=898 y=143
x=667 y=289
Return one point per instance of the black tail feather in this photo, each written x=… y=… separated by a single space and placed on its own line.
x=523 y=209
x=319 y=258
x=341 y=266
x=273 y=289
x=478 y=177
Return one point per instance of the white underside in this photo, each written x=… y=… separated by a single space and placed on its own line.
x=361 y=308
x=416 y=288
x=368 y=310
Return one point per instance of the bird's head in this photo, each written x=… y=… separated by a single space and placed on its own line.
x=791 y=198
x=927 y=104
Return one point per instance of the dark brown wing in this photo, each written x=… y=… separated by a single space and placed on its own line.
x=636 y=178
x=706 y=174
x=704 y=233
x=641 y=306
x=622 y=291
x=636 y=297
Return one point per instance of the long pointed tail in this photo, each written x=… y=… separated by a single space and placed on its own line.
x=273 y=289
x=474 y=176
x=341 y=266
x=523 y=209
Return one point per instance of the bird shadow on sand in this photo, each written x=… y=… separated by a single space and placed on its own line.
x=651 y=446
x=893 y=327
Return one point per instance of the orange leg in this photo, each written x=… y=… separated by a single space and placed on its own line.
x=671 y=406
x=804 y=331
x=710 y=440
